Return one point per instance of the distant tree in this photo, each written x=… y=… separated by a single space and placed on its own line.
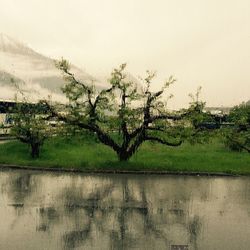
x=124 y=116
x=237 y=138
x=30 y=125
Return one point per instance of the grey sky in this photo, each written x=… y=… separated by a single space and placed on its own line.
x=200 y=42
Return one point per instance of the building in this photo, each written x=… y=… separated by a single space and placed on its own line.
x=5 y=109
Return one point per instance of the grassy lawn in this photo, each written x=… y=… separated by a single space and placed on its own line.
x=87 y=155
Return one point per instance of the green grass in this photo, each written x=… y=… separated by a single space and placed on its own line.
x=87 y=155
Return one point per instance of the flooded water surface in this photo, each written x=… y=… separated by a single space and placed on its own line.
x=78 y=211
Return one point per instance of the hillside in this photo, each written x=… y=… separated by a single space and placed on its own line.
x=31 y=71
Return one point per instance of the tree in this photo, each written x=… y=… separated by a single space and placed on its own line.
x=123 y=116
x=30 y=125
x=237 y=138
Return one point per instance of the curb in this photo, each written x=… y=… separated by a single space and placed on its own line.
x=137 y=172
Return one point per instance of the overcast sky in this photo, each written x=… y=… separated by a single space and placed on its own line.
x=201 y=42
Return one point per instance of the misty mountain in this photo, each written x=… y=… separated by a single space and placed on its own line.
x=36 y=74
x=9 y=80
x=31 y=71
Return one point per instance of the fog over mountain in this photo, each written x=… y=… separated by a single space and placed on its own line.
x=32 y=72
x=35 y=74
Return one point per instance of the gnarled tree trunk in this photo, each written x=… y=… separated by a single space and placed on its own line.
x=35 y=150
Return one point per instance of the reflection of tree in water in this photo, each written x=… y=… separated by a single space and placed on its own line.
x=118 y=212
x=138 y=209
x=98 y=217
x=76 y=238
x=116 y=220
x=19 y=187
x=86 y=213
x=194 y=229
x=48 y=216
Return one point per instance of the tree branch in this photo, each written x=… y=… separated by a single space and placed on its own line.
x=240 y=145
x=86 y=88
x=155 y=129
x=99 y=97
x=102 y=136
x=173 y=144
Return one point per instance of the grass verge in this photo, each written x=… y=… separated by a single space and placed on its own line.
x=82 y=154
